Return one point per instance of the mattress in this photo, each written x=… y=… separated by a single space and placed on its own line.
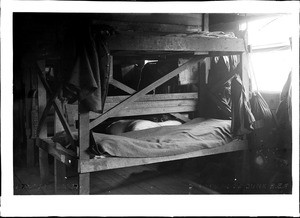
x=192 y=136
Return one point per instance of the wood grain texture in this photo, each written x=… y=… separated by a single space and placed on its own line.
x=172 y=43
x=60 y=171
x=84 y=143
x=121 y=86
x=114 y=162
x=112 y=112
x=43 y=155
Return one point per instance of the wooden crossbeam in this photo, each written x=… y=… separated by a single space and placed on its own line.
x=121 y=86
x=93 y=165
x=144 y=91
x=53 y=101
x=175 y=43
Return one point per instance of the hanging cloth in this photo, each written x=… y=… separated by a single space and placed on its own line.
x=90 y=72
x=284 y=110
x=260 y=110
x=242 y=117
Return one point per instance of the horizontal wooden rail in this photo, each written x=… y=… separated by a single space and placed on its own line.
x=175 y=43
x=115 y=162
x=149 y=104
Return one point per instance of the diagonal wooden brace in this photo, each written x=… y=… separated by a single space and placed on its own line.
x=122 y=86
x=137 y=95
x=53 y=101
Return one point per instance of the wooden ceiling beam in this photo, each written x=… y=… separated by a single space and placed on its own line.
x=175 y=43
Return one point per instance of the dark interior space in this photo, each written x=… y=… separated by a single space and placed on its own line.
x=51 y=45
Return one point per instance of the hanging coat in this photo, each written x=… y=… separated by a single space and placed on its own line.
x=89 y=73
x=242 y=117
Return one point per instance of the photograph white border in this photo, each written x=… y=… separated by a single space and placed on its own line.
x=139 y=205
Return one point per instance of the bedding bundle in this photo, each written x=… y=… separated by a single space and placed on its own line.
x=194 y=135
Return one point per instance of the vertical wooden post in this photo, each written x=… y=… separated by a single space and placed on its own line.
x=84 y=141
x=59 y=167
x=111 y=67
x=202 y=90
x=244 y=61
x=207 y=64
x=43 y=155
x=28 y=108
x=205 y=22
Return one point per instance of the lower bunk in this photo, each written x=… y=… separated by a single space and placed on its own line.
x=196 y=138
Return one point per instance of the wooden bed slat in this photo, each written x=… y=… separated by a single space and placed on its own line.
x=137 y=108
x=188 y=99
x=57 y=151
x=121 y=86
x=154 y=97
x=175 y=43
x=148 y=111
x=115 y=162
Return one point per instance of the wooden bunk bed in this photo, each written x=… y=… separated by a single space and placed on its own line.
x=135 y=103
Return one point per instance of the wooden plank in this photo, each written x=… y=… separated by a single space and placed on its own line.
x=114 y=162
x=84 y=184
x=59 y=168
x=122 y=86
x=56 y=104
x=111 y=67
x=148 y=97
x=143 y=92
x=186 y=19
x=154 y=104
x=154 y=97
x=158 y=110
x=202 y=91
x=172 y=43
x=43 y=118
x=28 y=126
x=59 y=154
x=205 y=22
x=59 y=177
x=130 y=27
x=157 y=103
x=43 y=156
x=84 y=142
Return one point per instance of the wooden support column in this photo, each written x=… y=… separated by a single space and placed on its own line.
x=30 y=142
x=43 y=155
x=244 y=61
x=84 y=141
x=59 y=167
x=202 y=93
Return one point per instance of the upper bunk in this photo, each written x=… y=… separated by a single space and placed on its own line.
x=153 y=35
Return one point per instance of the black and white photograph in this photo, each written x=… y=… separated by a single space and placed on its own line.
x=120 y=106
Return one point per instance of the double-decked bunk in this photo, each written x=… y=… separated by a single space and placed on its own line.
x=195 y=48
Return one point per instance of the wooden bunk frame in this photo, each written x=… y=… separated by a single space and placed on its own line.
x=135 y=103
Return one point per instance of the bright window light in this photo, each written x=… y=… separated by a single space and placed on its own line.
x=271 y=51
